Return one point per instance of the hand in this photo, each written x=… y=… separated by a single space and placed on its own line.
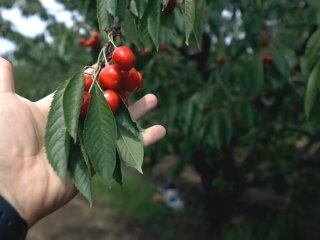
x=27 y=180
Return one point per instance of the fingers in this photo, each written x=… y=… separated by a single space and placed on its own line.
x=153 y=134
x=6 y=76
x=143 y=106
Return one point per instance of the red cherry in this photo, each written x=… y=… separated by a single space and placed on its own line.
x=221 y=60
x=170 y=6
x=87 y=82
x=264 y=42
x=85 y=104
x=268 y=59
x=110 y=77
x=124 y=57
x=130 y=80
x=112 y=99
x=94 y=40
x=140 y=81
x=83 y=41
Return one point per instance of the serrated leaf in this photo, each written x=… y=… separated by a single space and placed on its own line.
x=129 y=140
x=130 y=29
x=80 y=173
x=82 y=146
x=57 y=138
x=311 y=91
x=189 y=15
x=72 y=102
x=116 y=7
x=100 y=135
x=117 y=174
x=144 y=33
x=154 y=21
x=102 y=15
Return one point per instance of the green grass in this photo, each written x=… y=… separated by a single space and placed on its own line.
x=134 y=200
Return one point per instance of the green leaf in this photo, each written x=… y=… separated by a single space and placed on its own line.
x=164 y=3
x=117 y=174
x=129 y=27
x=144 y=33
x=82 y=145
x=133 y=8
x=189 y=15
x=116 y=7
x=100 y=135
x=72 y=102
x=154 y=21
x=311 y=91
x=102 y=15
x=80 y=173
x=129 y=141
x=281 y=62
x=199 y=22
x=312 y=53
x=57 y=139
x=215 y=129
x=111 y=6
x=138 y=7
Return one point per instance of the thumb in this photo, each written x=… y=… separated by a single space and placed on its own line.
x=6 y=76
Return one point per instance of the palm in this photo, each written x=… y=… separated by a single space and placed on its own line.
x=22 y=152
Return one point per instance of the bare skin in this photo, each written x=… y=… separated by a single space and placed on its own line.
x=27 y=180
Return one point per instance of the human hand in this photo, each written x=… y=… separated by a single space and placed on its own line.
x=27 y=180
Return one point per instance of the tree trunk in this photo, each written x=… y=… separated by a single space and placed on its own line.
x=219 y=203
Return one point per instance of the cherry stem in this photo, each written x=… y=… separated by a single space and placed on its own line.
x=95 y=76
x=110 y=38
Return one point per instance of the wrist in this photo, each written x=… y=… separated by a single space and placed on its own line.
x=12 y=225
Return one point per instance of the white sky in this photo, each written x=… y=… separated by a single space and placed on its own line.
x=33 y=25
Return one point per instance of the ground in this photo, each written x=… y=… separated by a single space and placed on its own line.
x=77 y=220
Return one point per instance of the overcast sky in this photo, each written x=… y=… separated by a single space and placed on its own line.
x=33 y=26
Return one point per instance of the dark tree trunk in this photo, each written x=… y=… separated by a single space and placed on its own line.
x=219 y=203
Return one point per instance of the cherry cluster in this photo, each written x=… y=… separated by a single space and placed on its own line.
x=93 y=41
x=117 y=80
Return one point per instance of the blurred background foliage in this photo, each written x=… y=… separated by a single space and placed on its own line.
x=233 y=109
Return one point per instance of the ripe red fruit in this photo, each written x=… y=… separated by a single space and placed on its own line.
x=221 y=60
x=124 y=57
x=93 y=41
x=140 y=81
x=110 y=77
x=112 y=99
x=83 y=41
x=85 y=104
x=130 y=80
x=267 y=59
x=170 y=6
x=87 y=82
x=264 y=42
